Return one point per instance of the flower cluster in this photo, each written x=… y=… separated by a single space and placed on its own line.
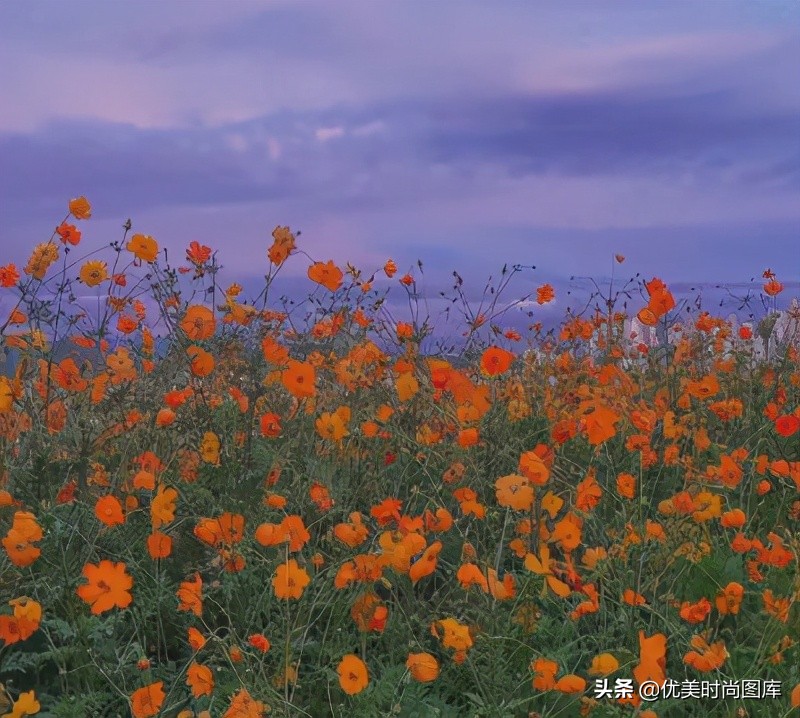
x=212 y=505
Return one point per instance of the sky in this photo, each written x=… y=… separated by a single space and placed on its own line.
x=466 y=134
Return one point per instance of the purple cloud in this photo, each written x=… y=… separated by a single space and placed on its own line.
x=454 y=133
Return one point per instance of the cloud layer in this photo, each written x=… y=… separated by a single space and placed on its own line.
x=550 y=135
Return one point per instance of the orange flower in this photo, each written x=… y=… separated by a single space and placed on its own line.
x=626 y=486
x=423 y=667
x=25 y=705
x=295 y=531
x=196 y=639
x=773 y=287
x=439 y=522
x=282 y=246
x=778 y=608
x=146 y=702
x=69 y=234
x=165 y=417
x=603 y=665
x=469 y=574
x=600 y=424
x=259 y=642
x=501 y=590
x=200 y=679
x=108 y=586
x=162 y=508
x=353 y=533
x=513 y=491
x=231 y=528
x=544 y=671
x=454 y=635
x=198 y=254
x=567 y=532
x=159 y=545
x=425 y=564
x=268 y=534
x=243 y=705
x=533 y=467
x=327 y=274
x=41 y=259
x=290 y=580
x=541 y=566
x=299 y=378
x=353 y=674
x=545 y=294
x=80 y=208
x=209 y=448
x=733 y=519
x=570 y=684
x=652 y=658
x=321 y=497
x=369 y=613
x=23 y=623
x=9 y=276
x=144 y=247
x=190 y=595
x=331 y=426
x=632 y=598
x=108 y=509
x=404 y=330
x=589 y=493
x=407 y=386
x=202 y=361
x=661 y=301
x=495 y=361
x=729 y=600
x=390 y=268
x=198 y=323
x=364 y=568
x=93 y=273
x=787 y=425
x=270 y=425
x=19 y=540
x=695 y=612
x=707 y=657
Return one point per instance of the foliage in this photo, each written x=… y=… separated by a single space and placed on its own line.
x=213 y=506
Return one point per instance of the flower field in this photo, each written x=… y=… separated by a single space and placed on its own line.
x=213 y=505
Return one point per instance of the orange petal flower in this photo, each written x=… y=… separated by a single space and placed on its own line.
x=290 y=580
x=514 y=492
x=426 y=564
x=108 y=510
x=159 y=545
x=108 y=586
x=353 y=674
x=299 y=378
x=200 y=679
x=147 y=701
x=495 y=361
x=198 y=323
x=144 y=247
x=162 y=508
x=327 y=274
x=282 y=246
x=423 y=667
x=603 y=665
x=243 y=705
x=80 y=208
x=190 y=595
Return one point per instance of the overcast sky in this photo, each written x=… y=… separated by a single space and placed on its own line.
x=466 y=134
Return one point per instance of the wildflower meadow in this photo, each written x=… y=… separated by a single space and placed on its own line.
x=218 y=505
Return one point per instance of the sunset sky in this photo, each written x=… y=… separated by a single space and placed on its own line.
x=467 y=134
